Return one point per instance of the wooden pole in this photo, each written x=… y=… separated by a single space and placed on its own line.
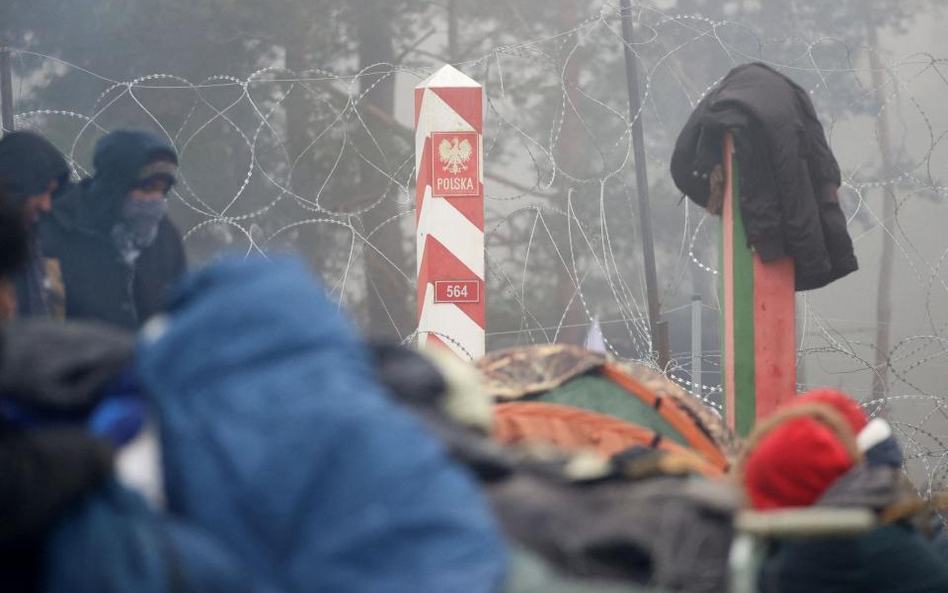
x=696 y=351
x=658 y=327
x=6 y=90
x=758 y=336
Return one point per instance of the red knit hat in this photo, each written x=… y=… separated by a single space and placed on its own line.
x=841 y=402
x=794 y=456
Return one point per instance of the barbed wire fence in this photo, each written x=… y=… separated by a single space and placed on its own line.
x=561 y=219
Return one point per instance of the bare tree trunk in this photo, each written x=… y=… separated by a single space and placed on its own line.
x=298 y=107
x=387 y=293
x=297 y=121
x=884 y=294
x=568 y=152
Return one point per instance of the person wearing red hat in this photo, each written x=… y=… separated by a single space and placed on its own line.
x=796 y=455
x=814 y=451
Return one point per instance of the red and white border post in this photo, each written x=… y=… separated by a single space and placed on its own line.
x=449 y=123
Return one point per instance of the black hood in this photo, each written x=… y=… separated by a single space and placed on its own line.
x=118 y=159
x=60 y=367
x=28 y=162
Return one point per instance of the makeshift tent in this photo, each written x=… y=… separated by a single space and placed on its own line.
x=589 y=400
x=569 y=429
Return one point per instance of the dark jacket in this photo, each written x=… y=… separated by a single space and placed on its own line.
x=894 y=558
x=28 y=163
x=98 y=283
x=65 y=525
x=788 y=176
x=57 y=369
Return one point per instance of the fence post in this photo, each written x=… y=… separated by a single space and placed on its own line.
x=449 y=122
x=758 y=337
x=696 y=351
x=6 y=89
x=658 y=328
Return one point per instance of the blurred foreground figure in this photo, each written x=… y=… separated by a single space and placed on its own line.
x=643 y=518
x=60 y=421
x=286 y=467
x=117 y=250
x=821 y=451
x=32 y=173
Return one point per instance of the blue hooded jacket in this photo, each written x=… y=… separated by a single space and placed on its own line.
x=277 y=440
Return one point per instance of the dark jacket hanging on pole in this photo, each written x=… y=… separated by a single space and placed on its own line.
x=789 y=178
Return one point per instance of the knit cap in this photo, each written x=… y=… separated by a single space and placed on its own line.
x=795 y=455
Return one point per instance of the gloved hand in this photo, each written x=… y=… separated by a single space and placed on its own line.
x=118 y=416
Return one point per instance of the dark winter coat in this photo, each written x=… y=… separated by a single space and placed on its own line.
x=894 y=558
x=98 y=283
x=789 y=178
x=65 y=525
x=58 y=369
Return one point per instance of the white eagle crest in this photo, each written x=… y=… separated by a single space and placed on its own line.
x=454 y=154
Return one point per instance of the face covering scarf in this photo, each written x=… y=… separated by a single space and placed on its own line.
x=137 y=226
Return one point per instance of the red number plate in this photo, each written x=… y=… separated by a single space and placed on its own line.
x=457 y=291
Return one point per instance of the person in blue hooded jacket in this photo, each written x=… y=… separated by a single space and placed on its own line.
x=277 y=439
x=117 y=250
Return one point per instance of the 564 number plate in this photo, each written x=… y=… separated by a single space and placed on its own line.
x=457 y=291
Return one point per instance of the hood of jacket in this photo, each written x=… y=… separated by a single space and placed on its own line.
x=869 y=486
x=277 y=439
x=28 y=163
x=60 y=367
x=95 y=204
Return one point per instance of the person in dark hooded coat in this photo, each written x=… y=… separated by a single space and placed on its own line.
x=14 y=253
x=32 y=173
x=52 y=376
x=820 y=450
x=118 y=251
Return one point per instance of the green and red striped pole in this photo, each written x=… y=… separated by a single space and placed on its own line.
x=758 y=336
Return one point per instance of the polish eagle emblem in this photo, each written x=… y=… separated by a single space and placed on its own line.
x=454 y=154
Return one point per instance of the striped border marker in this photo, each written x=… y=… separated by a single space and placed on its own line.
x=449 y=123
x=758 y=335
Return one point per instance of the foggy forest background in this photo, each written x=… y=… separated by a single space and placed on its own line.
x=293 y=121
